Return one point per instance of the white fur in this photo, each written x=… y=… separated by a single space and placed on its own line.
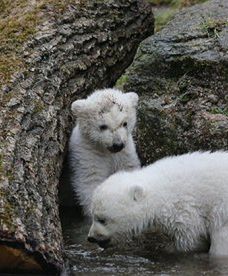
x=90 y=158
x=183 y=196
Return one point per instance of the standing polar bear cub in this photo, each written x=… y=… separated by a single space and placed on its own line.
x=184 y=196
x=101 y=143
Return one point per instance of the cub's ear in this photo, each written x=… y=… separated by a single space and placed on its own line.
x=136 y=193
x=133 y=98
x=79 y=107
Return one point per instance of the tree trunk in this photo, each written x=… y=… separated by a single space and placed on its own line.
x=87 y=47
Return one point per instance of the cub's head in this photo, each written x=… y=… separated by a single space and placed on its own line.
x=118 y=211
x=107 y=118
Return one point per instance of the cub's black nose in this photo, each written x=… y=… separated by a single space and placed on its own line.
x=117 y=147
x=91 y=239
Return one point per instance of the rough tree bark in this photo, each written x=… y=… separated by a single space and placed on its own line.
x=88 y=47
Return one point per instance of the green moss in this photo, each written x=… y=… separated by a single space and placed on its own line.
x=213 y=26
x=218 y=110
x=7 y=97
x=176 y=3
x=160 y=2
x=6 y=212
x=1 y=165
x=16 y=25
x=163 y=18
x=3 y=172
x=186 y=3
x=121 y=81
x=18 y=22
x=166 y=10
x=186 y=97
x=10 y=176
x=39 y=107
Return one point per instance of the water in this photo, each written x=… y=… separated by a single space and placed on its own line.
x=84 y=258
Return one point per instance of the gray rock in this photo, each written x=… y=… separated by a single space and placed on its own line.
x=181 y=75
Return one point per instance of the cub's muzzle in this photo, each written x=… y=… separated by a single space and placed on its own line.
x=102 y=243
x=116 y=148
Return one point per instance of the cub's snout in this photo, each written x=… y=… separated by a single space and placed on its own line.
x=116 y=148
x=104 y=243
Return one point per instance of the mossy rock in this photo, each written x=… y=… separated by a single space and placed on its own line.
x=181 y=76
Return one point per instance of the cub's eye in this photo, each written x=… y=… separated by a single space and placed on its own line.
x=103 y=127
x=125 y=124
x=101 y=221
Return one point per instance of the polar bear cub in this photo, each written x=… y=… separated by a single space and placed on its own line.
x=185 y=197
x=101 y=143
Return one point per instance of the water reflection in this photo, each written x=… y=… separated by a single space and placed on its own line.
x=87 y=259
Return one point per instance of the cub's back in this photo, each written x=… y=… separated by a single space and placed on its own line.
x=197 y=174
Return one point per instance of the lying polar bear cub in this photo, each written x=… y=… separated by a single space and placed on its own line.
x=184 y=196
